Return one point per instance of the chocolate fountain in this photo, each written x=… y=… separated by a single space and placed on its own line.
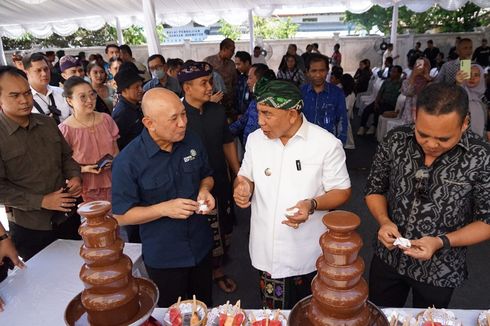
x=339 y=292
x=112 y=296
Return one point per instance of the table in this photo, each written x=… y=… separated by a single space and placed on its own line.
x=467 y=317
x=38 y=295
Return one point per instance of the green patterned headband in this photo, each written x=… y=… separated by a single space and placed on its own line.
x=279 y=94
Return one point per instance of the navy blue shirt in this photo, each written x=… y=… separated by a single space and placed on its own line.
x=128 y=119
x=212 y=127
x=144 y=175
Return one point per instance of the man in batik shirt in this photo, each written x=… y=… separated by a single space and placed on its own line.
x=429 y=183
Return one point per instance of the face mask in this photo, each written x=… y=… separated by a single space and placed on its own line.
x=159 y=73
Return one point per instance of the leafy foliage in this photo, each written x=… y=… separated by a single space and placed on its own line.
x=274 y=28
x=265 y=28
x=462 y=20
x=228 y=30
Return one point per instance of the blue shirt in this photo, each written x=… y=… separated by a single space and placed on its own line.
x=248 y=122
x=171 y=84
x=326 y=109
x=243 y=95
x=144 y=175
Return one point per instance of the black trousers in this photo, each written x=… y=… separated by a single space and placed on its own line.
x=29 y=242
x=183 y=282
x=387 y=288
x=370 y=109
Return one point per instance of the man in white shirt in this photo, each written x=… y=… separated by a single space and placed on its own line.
x=48 y=99
x=389 y=53
x=292 y=173
x=258 y=57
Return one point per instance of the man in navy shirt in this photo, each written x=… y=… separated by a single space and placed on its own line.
x=324 y=103
x=161 y=181
x=127 y=112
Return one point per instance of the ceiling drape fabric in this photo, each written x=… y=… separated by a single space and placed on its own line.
x=64 y=17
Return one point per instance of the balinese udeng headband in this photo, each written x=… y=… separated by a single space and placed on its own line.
x=192 y=70
x=279 y=94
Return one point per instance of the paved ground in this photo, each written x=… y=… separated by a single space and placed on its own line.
x=474 y=294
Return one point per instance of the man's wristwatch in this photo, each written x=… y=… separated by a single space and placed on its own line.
x=4 y=236
x=446 y=244
x=313 y=205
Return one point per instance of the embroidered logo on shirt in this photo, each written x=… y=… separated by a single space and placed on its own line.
x=191 y=157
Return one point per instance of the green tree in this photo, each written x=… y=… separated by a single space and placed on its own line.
x=375 y=16
x=265 y=28
x=228 y=30
x=274 y=28
x=462 y=20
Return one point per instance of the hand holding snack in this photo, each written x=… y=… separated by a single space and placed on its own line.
x=297 y=214
x=423 y=248
x=387 y=234
x=205 y=201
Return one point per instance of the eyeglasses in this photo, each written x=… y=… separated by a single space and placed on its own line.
x=85 y=97
x=422 y=185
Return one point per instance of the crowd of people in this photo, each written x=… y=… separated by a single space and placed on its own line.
x=177 y=146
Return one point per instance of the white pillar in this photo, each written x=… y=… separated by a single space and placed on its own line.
x=152 y=40
x=3 y=60
x=251 y=30
x=394 y=26
x=120 y=38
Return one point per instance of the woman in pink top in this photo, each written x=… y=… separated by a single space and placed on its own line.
x=91 y=136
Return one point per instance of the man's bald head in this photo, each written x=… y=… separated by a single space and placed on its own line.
x=164 y=117
x=157 y=100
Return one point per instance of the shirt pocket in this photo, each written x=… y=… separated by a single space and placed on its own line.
x=191 y=178
x=157 y=189
x=14 y=161
x=307 y=177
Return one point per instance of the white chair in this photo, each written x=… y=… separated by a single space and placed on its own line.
x=386 y=124
x=367 y=99
x=349 y=103
x=367 y=92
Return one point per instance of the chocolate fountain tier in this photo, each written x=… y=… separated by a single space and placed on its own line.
x=340 y=303
x=112 y=296
x=102 y=256
x=339 y=292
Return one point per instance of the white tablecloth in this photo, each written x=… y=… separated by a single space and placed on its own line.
x=39 y=294
x=467 y=317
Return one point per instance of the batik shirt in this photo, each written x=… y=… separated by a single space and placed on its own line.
x=431 y=201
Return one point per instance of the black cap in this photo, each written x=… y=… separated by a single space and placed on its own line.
x=127 y=75
x=192 y=70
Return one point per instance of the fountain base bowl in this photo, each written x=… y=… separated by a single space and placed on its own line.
x=298 y=315
x=76 y=314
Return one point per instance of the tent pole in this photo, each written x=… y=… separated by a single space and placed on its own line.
x=3 y=60
x=394 y=25
x=152 y=39
x=120 y=37
x=251 y=30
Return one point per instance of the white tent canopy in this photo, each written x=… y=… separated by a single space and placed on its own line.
x=42 y=18
x=64 y=17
